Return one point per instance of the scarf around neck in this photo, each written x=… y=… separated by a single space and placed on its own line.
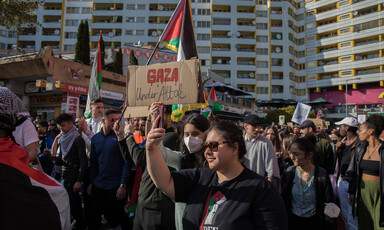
x=67 y=139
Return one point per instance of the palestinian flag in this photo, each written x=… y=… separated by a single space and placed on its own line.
x=178 y=35
x=29 y=199
x=95 y=81
x=212 y=101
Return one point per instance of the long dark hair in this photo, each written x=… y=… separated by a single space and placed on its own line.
x=188 y=160
x=276 y=142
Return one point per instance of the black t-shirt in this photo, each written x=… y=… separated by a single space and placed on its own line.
x=245 y=202
x=345 y=158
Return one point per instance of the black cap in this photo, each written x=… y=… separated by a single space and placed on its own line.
x=253 y=119
x=308 y=123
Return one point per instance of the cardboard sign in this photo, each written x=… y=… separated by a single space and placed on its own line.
x=169 y=83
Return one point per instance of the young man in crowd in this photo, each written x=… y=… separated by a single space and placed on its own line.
x=109 y=176
x=345 y=150
x=260 y=156
x=154 y=210
x=324 y=153
x=45 y=143
x=71 y=151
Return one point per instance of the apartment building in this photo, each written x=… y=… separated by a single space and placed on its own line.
x=344 y=48
x=288 y=50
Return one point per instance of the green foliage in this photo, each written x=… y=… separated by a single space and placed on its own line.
x=312 y=114
x=82 y=44
x=102 y=52
x=14 y=13
x=133 y=59
x=273 y=116
x=118 y=62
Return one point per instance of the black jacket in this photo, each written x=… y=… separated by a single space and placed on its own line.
x=324 y=194
x=76 y=161
x=149 y=196
x=356 y=173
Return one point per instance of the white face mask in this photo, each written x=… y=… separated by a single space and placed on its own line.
x=193 y=144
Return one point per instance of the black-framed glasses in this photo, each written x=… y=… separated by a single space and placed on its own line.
x=213 y=146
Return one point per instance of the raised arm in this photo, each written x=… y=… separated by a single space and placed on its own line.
x=157 y=169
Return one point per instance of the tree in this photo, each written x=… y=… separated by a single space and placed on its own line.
x=133 y=59
x=102 y=52
x=118 y=62
x=15 y=13
x=82 y=44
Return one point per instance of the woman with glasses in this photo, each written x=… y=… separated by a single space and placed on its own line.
x=366 y=169
x=226 y=195
x=306 y=189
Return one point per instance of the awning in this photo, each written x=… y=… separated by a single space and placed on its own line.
x=220 y=87
x=319 y=101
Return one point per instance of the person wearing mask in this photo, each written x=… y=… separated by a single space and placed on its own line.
x=191 y=154
x=45 y=143
x=366 y=170
x=324 y=154
x=153 y=210
x=225 y=195
x=260 y=156
x=29 y=199
x=345 y=150
x=306 y=189
x=109 y=176
x=335 y=137
x=71 y=152
x=25 y=133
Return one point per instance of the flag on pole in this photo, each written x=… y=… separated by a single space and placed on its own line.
x=178 y=35
x=212 y=101
x=95 y=81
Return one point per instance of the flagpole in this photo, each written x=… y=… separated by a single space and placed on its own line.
x=165 y=29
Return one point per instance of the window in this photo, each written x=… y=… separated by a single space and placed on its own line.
x=86 y=10
x=11 y=34
x=261 y=2
x=346 y=58
x=345 y=30
x=245 y=75
x=140 y=32
x=345 y=16
x=130 y=19
x=343 y=3
x=261 y=14
x=128 y=32
x=203 y=49
x=203 y=24
x=262 y=64
x=261 y=26
x=131 y=6
x=262 y=38
x=262 y=90
x=4 y=33
x=345 y=44
x=73 y=10
x=346 y=73
x=70 y=34
x=311 y=38
x=140 y=19
x=203 y=12
x=277 y=62
x=262 y=77
x=69 y=47
x=71 y=22
x=277 y=76
x=203 y=37
x=140 y=6
x=262 y=51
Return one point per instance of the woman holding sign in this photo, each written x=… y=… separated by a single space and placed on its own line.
x=226 y=194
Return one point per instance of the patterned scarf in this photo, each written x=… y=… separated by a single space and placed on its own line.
x=67 y=139
x=8 y=98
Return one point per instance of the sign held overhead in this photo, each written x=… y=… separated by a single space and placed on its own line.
x=169 y=83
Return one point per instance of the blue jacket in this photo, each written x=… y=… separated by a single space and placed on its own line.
x=108 y=170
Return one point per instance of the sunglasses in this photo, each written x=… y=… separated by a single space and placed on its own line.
x=213 y=146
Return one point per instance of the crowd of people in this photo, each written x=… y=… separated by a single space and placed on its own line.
x=149 y=173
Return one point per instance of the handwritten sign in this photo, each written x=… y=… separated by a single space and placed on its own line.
x=170 y=83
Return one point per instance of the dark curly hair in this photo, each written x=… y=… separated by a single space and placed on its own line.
x=188 y=160
x=375 y=122
x=230 y=132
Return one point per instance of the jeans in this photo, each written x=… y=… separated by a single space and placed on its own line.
x=74 y=202
x=346 y=209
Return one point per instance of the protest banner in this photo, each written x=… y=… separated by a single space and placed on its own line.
x=301 y=113
x=169 y=83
